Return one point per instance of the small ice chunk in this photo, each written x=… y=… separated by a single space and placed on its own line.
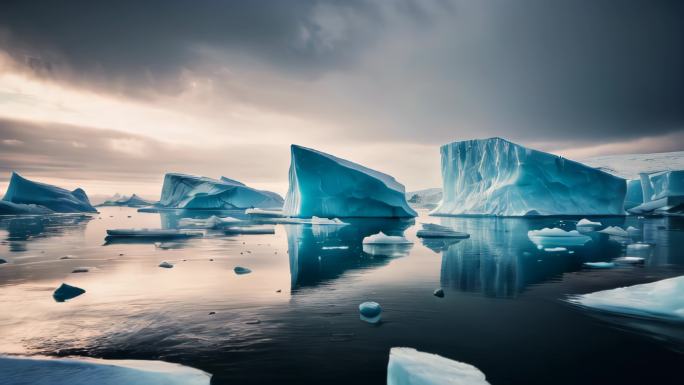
x=661 y=300
x=555 y=249
x=249 y=230
x=408 y=366
x=438 y=293
x=65 y=292
x=2 y=261
x=615 y=231
x=631 y=260
x=584 y=222
x=383 y=239
x=335 y=248
x=165 y=265
x=556 y=237
x=633 y=230
x=638 y=246
x=370 y=312
x=599 y=265
x=431 y=230
x=80 y=270
x=239 y=270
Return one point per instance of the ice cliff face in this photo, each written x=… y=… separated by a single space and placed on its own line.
x=22 y=191
x=496 y=177
x=661 y=192
x=323 y=185
x=196 y=192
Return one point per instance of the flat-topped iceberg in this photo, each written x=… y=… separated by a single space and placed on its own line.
x=662 y=192
x=408 y=366
x=87 y=371
x=326 y=186
x=496 y=177
x=432 y=230
x=660 y=300
x=555 y=237
x=197 y=192
x=26 y=192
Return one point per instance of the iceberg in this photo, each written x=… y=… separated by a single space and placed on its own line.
x=662 y=192
x=132 y=201
x=584 y=222
x=239 y=270
x=383 y=239
x=66 y=292
x=9 y=208
x=431 y=230
x=408 y=366
x=166 y=265
x=40 y=370
x=152 y=233
x=182 y=191
x=425 y=199
x=556 y=237
x=326 y=186
x=615 y=231
x=212 y=222
x=256 y=212
x=496 y=177
x=22 y=191
x=659 y=300
x=634 y=196
x=370 y=312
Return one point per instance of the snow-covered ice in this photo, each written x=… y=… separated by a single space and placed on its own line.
x=630 y=260
x=327 y=186
x=26 y=192
x=555 y=249
x=383 y=239
x=661 y=300
x=496 y=177
x=196 y=192
x=207 y=223
x=66 y=292
x=584 y=222
x=629 y=166
x=638 y=246
x=370 y=312
x=88 y=371
x=431 y=230
x=408 y=366
x=425 y=199
x=555 y=237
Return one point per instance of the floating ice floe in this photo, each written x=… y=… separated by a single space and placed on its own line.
x=66 y=292
x=615 y=231
x=239 y=270
x=630 y=260
x=556 y=237
x=249 y=230
x=335 y=248
x=153 y=233
x=599 y=265
x=638 y=246
x=431 y=230
x=80 y=270
x=408 y=366
x=383 y=239
x=87 y=371
x=328 y=186
x=256 y=212
x=584 y=222
x=660 y=300
x=370 y=312
x=496 y=177
x=555 y=249
x=633 y=231
x=165 y=265
x=212 y=222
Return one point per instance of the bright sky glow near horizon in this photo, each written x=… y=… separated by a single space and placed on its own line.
x=110 y=96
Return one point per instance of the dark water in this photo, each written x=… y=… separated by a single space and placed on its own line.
x=503 y=309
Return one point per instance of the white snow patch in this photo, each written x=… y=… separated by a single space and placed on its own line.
x=408 y=366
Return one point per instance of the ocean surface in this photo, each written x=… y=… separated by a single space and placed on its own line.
x=295 y=320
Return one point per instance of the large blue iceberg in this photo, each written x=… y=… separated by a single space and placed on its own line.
x=182 y=191
x=496 y=177
x=323 y=185
x=34 y=196
x=661 y=192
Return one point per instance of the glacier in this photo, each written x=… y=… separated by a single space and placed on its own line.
x=661 y=192
x=181 y=191
x=408 y=366
x=326 y=186
x=39 y=370
x=22 y=191
x=496 y=177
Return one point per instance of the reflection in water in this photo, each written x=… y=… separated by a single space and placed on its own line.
x=22 y=229
x=319 y=253
x=500 y=261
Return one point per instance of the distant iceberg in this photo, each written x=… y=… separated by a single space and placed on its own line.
x=182 y=191
x=25 y=192
x=88 y=371
x=326 y=186
x=660 y=300
x=496 y=177
x=408 y=366
x=425 y=199
x=132 y=201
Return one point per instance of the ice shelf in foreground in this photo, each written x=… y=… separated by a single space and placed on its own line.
x=326 y=186
x=182 y=191
x=496 y=177
x=408 y=366
x=25 y=192
x=88 y=371
x=661 y=300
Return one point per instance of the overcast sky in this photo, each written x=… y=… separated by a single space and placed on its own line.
x=109 y=95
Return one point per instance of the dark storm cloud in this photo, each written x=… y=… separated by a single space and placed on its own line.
x=590 y=71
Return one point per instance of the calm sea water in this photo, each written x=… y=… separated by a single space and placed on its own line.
x=294 y=319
